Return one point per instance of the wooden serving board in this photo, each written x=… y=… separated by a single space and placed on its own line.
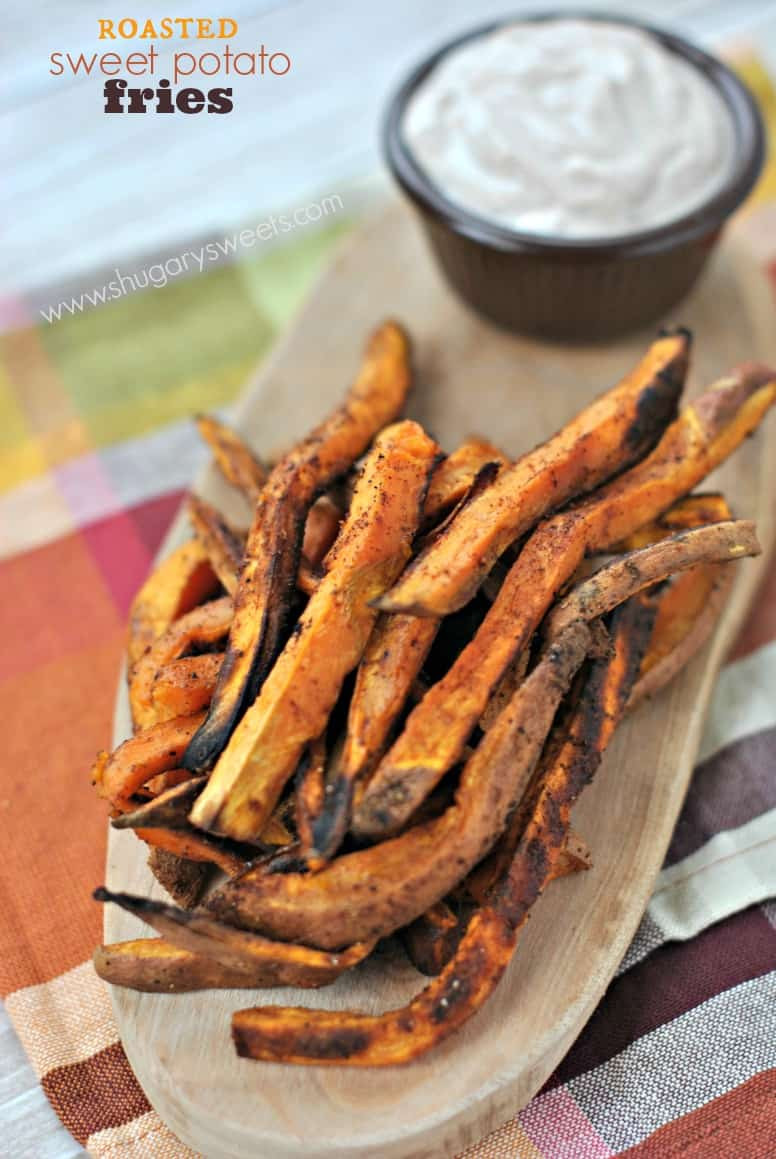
x=470 y=377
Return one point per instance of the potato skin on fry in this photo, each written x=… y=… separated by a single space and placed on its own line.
x=154 y=966
x=275 y=539
x=630 y=573
x=184 y=880
x=267 y=962
x=293 y=706
x=180 y=582
x=436 y=730
x=372 y=892
x=609 y=435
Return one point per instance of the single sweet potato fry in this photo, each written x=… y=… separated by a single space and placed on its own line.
x=222 y=544
x=631 y=573
x=309 y=796
x=185 y=686
x=180 y=582
x=309 y=1036
x=275 y=539
x=295 y=701
x=118 y=777
x=705 y=433
x=202 y=627
x=155 y=966
x=692 y=511
x=189 y=845
x=609 y=435
x=234 y=458
x=455 y=475
x=372 y=892
x=270 y=963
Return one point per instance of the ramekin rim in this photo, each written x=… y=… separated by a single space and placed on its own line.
x=705 y=219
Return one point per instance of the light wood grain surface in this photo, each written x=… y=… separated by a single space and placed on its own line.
x=516 y=391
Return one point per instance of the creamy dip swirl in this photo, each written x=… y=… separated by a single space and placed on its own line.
x=573 y=128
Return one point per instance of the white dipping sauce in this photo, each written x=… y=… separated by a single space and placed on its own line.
x=574 y=128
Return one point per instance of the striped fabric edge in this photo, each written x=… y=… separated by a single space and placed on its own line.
x=616 y=1107
x=730 y=1039
x=63 y=1021
x=739 y=1124
x=742 y=702
x=146 y=1135
x=734 y=870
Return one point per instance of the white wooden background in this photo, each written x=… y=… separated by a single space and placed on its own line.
x=80 y=190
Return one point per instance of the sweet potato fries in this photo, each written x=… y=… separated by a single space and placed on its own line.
x=373 y=713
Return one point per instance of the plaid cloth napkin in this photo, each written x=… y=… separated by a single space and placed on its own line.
x=680 y=1056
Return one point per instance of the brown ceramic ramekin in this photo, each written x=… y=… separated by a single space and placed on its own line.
x=568 y=289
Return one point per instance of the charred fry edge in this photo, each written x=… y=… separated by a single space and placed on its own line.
x=612 y=433
x=432 y=939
